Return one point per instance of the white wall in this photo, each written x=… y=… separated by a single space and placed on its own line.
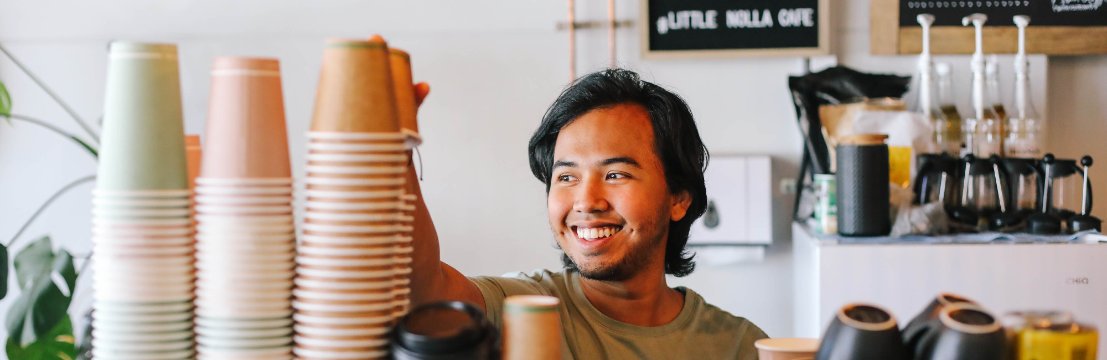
x=494 y=67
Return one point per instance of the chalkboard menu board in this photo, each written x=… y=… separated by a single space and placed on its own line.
x=689 y=28
x=1000 y=12
x=1057 y=27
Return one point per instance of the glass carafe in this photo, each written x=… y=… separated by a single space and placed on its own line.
x=983 y=196
x=1067 y=188
x=1023 y=183
x=948 y=133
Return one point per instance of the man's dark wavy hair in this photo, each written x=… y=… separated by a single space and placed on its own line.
x=676 y=141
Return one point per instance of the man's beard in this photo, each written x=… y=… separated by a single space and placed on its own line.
x=622 y=270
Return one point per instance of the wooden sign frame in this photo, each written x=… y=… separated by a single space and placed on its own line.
x=887 y=37
x=823 y=48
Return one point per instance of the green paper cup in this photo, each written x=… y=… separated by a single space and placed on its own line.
x=142 y=142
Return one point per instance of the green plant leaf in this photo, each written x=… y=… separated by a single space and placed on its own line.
x=58 y=343
x=3 y=271
x=41 y=303
x=5 y=101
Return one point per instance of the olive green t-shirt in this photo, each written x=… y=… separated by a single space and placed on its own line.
x=700 y=332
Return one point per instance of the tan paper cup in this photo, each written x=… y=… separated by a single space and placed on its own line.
x=252 y=276
x=338 y=306
x=312 y=282
x=787 y=348
x=244 y=209
x=532 y=327
x=245 y=131
x=339 y=320
x=307 y=353
x=273 y=257
x=341 y=343
x=330 y=195
x=404 y=87
x=363 y=159
x=355 y=91
x=314 y=265
x=247 y=245
x=358 y=251
x=352 y=231
x=355 y=241
x=356 y=147
x=331 y=295
x=393 y=137
x=229 y=228
x=218 y=308
x=332 y=331
x=193 y=158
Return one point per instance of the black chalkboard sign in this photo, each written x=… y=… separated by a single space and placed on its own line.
x=685 y=28
x=1000 y=12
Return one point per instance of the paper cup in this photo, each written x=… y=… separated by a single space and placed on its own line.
x=363 y=158
x=243 y=323
x=340 y=241
x=352 y=231
x=330 y=295
x=243 y=191
x=355 y=136
x=332 y=331
x=243 y=209
x=307 y=353
x=243 y=182
x=141 y=347
x=339 y=147
x=142 y=138
x=229 y=228
x=324 y=251
x=356 y=342
x=404 y=87
x=144 y=337
x=313 y=194
x=141 y=308
x=311 y=282
x=141 y=194
x=275 y=353
x=327 y=319
x=267 y=286
x=243 y=200
x=232 y=343
x=224 y=309
x=314 y=265
x=787 y=348
x=355 y=91
x=245 y=334
x=532 y=327
x=245 y=131
x=152 y=203
x=106 y=354
x=100 y=240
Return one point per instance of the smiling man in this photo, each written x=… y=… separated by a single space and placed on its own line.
x=623 y=166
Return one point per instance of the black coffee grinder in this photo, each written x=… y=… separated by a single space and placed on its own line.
x=1045 y=222
x=1084 y=220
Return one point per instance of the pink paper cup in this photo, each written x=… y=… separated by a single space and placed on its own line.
x=245 y=131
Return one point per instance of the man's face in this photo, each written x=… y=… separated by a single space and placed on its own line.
x=609 y=206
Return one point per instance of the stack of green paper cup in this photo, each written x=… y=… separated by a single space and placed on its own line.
x=143 y=247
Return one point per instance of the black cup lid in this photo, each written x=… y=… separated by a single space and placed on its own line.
x=413 y=334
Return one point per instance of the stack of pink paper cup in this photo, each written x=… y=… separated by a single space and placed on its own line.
x=143 y=249
x=246 y=241
x=354 y=216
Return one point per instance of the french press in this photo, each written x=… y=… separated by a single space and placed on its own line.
x=1045 y=221
x=1085 y=220
x=963 y=212
x=935 y=180
x=1023 y=182
x=1006 y=217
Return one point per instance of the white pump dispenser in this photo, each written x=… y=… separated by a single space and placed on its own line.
x=983 y=134
x=925 y=68
x=1023 y=138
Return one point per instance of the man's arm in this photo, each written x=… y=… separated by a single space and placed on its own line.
x=432 y=279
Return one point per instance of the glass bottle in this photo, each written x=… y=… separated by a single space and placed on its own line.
x=949 y=135
x=995 y=98
x=1024 y=128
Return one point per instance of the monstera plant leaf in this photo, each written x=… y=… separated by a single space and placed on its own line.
x=5 y=101
x=46 y=280
x=58 y=343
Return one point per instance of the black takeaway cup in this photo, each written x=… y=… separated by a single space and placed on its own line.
x=445 y=330
x=862 y=332
x=965 y=332
x=926 y=320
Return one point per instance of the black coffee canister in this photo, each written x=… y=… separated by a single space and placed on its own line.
x=863 y=208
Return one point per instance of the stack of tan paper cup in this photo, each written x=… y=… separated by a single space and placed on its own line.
x=246 y=242
x=143 y=246
x=354 y=219
x=406 y=115
x=532 y=328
